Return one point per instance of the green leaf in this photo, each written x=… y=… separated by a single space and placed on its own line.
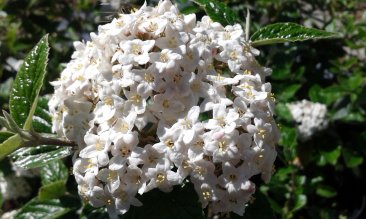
x=287 y=32
x=95 y=213
x=45 y=209
x=300 y=202
x=5 y=135
x=351 y=158
x=327 y=95
x=326 y=191
x=42 y=120
x=289 y=92
x=332 y=156
x=54 y=171
x=28 y=83
x=283 y=112
x=218 y=11
x=39 y=156
x=10 y=145
x=5 y=88
x=53 y=190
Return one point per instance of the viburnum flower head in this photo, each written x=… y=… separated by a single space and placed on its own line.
x=156 y=98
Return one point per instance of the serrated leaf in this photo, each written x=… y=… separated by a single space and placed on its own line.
x=28 y=83
x=46 y=209
x=39 y=156
x=287 y=32
x=54 y=171
x=10 y=145
x=218 y=11
x=53 y=190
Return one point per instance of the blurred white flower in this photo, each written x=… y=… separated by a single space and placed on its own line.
x=310 y=117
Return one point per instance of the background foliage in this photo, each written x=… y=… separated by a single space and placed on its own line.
x=323 y=177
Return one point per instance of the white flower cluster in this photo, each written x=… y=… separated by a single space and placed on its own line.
x=13 y=187
x=156 y=98
x=311 y=117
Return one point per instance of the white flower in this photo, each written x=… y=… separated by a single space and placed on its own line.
x=136 y=51
x=164 y=60
x=310 y=116
x=156 y=98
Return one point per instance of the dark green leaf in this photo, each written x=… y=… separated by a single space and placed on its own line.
x=327 y=95
x=289 y=92
x=218 y=11
x=28 y=83
x=95 y=213
x=54 y=171
x=287 y=32
x=39 y=156
x=53 y=190
x=10 y=145
x=283 y=112
x=47 y=209
x=42 y=120
x=5 y=135
x=181 y=203
x=351 y=158
x=259 y=209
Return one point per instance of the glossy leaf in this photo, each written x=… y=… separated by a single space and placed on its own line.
x=39 y=156
x=28 y=83
x=10 y=145
x=91 y=212
x=287 y=32
x=46 y=209
x=54 y=171
x=218 y=11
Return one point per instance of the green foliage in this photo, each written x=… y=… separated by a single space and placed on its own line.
x=46 y=209
x=218 y=11
x=28 y=83
x=39 y=156
x=286 y=32
x=181 y=203
x=10 y=145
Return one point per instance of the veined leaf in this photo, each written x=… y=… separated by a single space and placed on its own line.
x=39 y=156
x=10 y=145
x=287 y=32
x=28 y=83
x=218 y=11
x=46 y=209
x=54 y=171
